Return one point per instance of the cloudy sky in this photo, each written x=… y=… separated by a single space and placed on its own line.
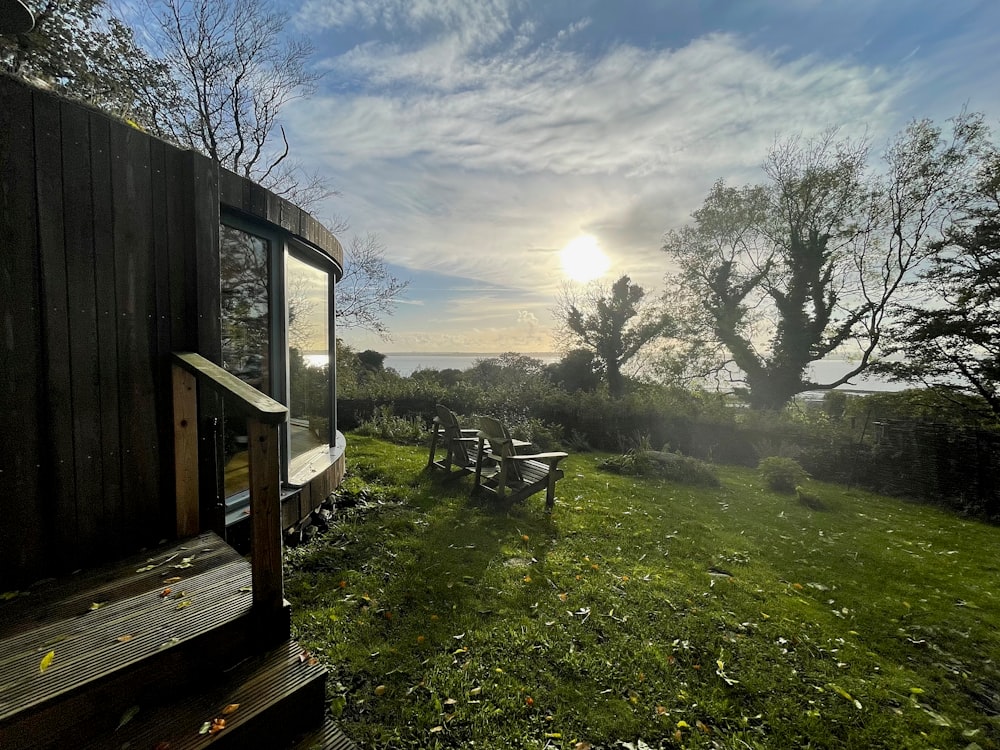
x=480 y=138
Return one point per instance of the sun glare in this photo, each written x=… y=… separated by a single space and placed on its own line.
x=583 y=260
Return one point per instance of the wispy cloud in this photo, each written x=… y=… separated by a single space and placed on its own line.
x=470 y=135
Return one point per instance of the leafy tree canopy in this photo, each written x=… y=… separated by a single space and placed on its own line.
x=808 y=264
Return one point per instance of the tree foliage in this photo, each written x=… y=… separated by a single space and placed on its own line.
x=779 y=275
x=952 y=338
x=368 y=291
x=234 y=68
x=82 y=50
x=613 y=323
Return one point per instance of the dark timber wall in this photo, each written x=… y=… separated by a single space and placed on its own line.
x=108 y=262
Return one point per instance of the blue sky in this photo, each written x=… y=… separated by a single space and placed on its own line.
x=478 y=138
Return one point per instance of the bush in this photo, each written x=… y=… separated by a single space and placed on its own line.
x=387 y=426
x=671 y=466
x=781 y=474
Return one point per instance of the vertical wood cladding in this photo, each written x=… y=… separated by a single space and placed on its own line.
x=109 y=261
x=105 y=233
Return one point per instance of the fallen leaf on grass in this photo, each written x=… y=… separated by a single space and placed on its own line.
x=127 y=717
x=438 y=728
x=46 y=661
x=845 y=695
x=380 y=689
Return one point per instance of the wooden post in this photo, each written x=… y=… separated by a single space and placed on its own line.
x=186 y=451
x=265 y=509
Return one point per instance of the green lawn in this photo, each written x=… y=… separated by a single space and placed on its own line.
x=649 y=613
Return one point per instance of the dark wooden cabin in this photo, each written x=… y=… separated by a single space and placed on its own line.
x=168 y=389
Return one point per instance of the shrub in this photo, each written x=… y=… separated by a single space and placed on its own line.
x=781 y=474
x=387 y=426
x=671 y=466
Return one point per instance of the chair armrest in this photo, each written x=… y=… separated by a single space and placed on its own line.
x=468 y=432
x=550 y=458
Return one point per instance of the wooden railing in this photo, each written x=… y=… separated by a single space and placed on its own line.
x=263 y=416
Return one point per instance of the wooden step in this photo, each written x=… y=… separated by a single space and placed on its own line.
x=326 y=737
x=77 y=653
x=277 y=695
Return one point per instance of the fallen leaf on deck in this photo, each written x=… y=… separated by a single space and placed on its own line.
x=183 y=604
x=165 y=592
x=173 y=579
x=97 y=605
x=218 y=724
x=127 y=717
x=46 y=661
x=205 y=727
x=144 y=568
x=230 y=709
x=124 y=638
x=8 y=595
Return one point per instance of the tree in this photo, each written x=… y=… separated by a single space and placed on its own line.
x=80 y=49
x=952 y=339
x=612 y=323
x=371 y=360
x=780 y=275
x=234 y=69
x=578 y=370
x=368 y=291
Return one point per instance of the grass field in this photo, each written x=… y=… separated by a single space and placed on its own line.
x=648 y=614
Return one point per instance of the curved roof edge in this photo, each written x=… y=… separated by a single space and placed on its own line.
x=248 y=197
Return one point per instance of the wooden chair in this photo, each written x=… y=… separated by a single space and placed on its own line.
x=459 y=444
x=516 y=475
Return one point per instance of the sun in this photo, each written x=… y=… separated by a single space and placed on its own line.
x=583 y=260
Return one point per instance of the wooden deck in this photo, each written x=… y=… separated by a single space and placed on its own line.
x=145 y=652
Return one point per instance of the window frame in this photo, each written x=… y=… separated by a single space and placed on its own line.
x=283 y=245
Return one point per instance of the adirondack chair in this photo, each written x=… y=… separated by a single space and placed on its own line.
x=459 y=444
x=516 y=475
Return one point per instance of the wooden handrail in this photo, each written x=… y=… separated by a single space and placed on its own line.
x=240 y=397
x=263 y=415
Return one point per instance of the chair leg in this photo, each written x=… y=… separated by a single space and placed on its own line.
x=550 y=493
x=434 y=440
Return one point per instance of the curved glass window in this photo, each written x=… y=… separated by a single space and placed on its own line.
x=308 y=300
x=276 y=300
x=246 y=335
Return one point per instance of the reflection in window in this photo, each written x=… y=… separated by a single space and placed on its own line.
x=245 y=335
x=308 y=356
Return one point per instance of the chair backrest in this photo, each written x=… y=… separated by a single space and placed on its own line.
x=500 y=442
x=447 y=420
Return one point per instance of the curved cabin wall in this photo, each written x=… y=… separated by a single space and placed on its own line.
x=109 y=261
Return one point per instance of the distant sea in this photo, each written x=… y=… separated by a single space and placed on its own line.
x=406 y=363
